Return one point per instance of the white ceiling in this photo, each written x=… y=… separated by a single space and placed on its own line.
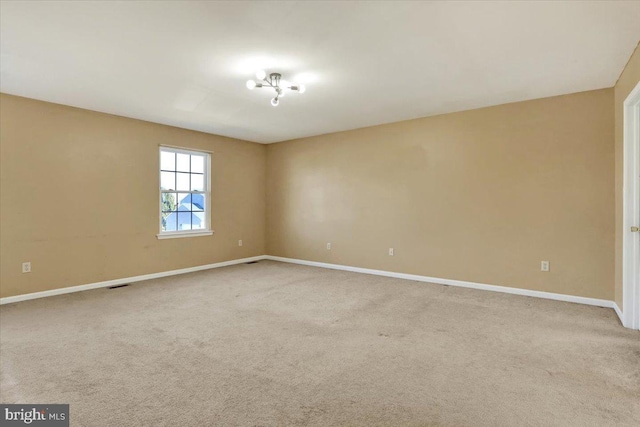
x=365 y=63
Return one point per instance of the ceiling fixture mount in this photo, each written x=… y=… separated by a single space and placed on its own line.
x=273 y=81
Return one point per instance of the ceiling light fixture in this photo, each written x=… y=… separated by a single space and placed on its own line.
x=273 y=81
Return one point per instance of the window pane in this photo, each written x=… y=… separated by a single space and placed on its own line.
x=197 y=202
x=169 y=202
x=184 y=220
x=169 y=221
x=167 y=161
x=184 y=199
x=167 y=180
x=197 y=182
x=182 y=183
x=183 y=162
x=198 y=220
x=197 y=164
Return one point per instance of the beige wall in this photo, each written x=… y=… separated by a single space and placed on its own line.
x=79 y=197
x=625 y=84
x=481 y=195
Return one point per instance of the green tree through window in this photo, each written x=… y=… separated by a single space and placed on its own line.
x=169 y=204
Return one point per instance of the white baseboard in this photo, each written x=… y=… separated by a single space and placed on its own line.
x=460 y=283
x=618 y=312
x=436 y=280
x=115 y=282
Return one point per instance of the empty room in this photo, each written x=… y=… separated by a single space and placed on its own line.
x=319 y=213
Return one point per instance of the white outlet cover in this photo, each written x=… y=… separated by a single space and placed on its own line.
x=544 y=265
x=239 y=242
x=328 y=246
x=390 y=251
x=26 y=267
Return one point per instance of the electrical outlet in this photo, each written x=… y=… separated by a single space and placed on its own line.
x=328 y=246
x=26 y=267
x=390 y=251
x=239 y=242
x=544 y=266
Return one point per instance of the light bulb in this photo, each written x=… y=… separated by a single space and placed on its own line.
x=275 y=101
x=261 y=75
x=251 y=84
x=301 y=88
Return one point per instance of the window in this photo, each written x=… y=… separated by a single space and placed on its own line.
x=184 y=193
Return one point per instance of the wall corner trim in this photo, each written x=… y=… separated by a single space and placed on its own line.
x=618 y=312
x=80 y=288
x=473 y=285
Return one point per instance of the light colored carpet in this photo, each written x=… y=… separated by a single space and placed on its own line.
x=280 y=344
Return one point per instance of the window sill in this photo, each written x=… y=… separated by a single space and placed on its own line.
x=184 y=234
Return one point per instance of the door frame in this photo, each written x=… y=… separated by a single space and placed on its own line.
x=631 y=212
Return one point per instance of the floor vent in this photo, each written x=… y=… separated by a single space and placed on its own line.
x=118 y=286
x=252 y=262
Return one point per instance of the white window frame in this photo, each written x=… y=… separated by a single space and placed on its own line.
x=207 y=231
